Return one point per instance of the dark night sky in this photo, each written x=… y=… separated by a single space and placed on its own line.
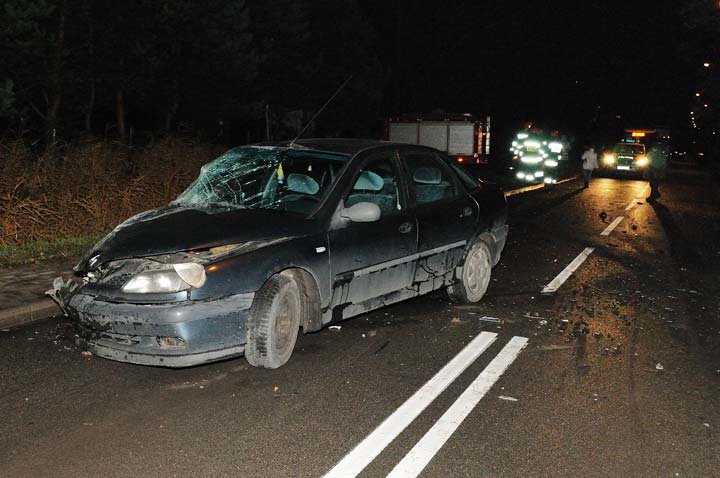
x=582 y=67
x=551 y=62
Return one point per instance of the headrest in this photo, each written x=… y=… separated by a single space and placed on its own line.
x=300 y=183
x=369 y=181
x=427 y=176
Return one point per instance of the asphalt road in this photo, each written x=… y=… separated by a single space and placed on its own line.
x=620 y=376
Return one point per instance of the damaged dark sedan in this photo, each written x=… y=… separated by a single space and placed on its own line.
x=275 y=239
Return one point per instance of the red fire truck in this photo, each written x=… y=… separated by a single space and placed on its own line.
x=462 y=136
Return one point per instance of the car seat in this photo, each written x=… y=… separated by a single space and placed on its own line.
x=429 y=185
x=301 y=197
x=370 y=187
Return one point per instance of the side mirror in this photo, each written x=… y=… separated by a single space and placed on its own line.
x=361 y=212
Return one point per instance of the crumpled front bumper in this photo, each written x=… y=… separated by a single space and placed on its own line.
x=209 y=330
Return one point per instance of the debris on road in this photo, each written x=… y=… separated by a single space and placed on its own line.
x=86 y=353
x=556 y=347
x=335 y=327
x=659 y=366
x=382 y=347
x=612 y=351
x=485 y=318
x=507 y=398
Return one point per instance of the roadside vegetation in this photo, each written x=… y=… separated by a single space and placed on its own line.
x=58 y=202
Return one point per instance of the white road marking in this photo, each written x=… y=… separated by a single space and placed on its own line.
x=525 y=189
x=533 y=187
x=366 y=451
x=424 y=451
x=566 y=179
x=612 y=226
x=555 y=284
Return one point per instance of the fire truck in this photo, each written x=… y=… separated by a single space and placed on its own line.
x=462 y=136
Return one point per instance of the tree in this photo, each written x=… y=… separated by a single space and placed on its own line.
x=31 y=57
x=341 y=44
x=201 y=56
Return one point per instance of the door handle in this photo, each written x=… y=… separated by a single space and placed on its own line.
x=405 y=227
x=467 y=211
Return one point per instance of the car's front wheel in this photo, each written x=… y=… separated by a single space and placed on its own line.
x=273 y=323
x=475 y=277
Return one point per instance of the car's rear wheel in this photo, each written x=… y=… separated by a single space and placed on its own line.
x=475 y=276
x=273 y=323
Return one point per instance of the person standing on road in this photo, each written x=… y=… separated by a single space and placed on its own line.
x=589 y=163
x=657 y=157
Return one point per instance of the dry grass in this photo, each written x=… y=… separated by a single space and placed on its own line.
x=84 y=190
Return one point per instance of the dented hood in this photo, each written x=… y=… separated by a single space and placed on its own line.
x=173 y=229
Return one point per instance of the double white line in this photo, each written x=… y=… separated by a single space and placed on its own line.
x=421 y=454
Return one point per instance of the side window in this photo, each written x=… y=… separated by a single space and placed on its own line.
x=430 y=178
x=377 y=183
x=468 y=181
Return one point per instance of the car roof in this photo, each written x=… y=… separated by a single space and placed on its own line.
x=344 y=146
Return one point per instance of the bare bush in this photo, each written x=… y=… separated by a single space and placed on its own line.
x=88 y=188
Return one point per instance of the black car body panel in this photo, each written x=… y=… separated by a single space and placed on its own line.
x=173 y=229
x=344 y=268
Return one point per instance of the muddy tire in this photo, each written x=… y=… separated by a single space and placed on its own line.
x=475 y=276
x=273 y=323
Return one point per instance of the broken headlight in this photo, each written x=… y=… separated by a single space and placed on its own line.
x=180 y=277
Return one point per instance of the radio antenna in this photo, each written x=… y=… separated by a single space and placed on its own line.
x=320 y=110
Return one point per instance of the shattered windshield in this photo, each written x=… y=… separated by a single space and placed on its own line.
x=264 y=178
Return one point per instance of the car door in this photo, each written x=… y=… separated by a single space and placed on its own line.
x=371 y=260
x=447 y=217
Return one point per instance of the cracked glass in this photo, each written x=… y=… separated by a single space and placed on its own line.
x=264 y=178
